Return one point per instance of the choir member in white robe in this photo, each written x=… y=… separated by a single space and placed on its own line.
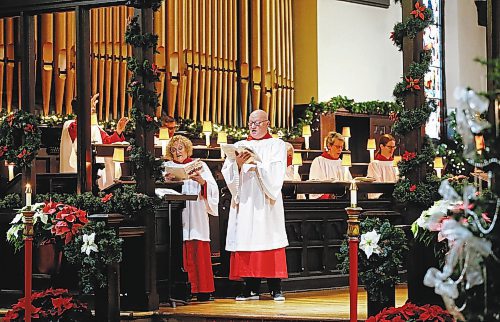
x=382 y=168
x=256 y=235
x=195 y=223
x=290 y=174
x=328 y=166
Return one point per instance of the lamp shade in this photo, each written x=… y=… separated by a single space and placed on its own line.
x=438 y=163
x=221 y=137
x=306 y=130
x=346 y=132
x=207 y=127
x=479 y=139
x=119 y=155
x=93 y=119
x=297 y=159
x=346 y=160
x=275 y=135
x=371 y=145
x=164 y=134
x=397 y=159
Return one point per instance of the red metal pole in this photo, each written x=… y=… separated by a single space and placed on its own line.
x=28 y=256
x=353 y=238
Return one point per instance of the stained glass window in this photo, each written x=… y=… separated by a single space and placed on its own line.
x=433 y=80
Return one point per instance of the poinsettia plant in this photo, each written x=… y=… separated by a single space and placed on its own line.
x=54 y=305
x=412 y=312
x=52 y=223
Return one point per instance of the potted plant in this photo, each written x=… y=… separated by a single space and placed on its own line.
x=51 y=305
x=412 y=312
x=54 y=225
x=381 y=252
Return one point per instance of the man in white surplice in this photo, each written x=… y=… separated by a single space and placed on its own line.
x=328 y=166
x=256 y=235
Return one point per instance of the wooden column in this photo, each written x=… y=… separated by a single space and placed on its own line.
x=145 y=184
x=27 y=36
x=84 y=156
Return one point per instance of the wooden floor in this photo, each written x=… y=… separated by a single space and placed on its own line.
x=330 y=305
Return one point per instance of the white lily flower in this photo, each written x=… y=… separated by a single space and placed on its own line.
x=89 y=244
x=369 y=243
x=17 y=218
x=13 y=232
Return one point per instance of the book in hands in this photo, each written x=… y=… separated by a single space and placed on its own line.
x=184 y=171
x=231 y=150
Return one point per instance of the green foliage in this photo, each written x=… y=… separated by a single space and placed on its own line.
x=142 y=159
x=55 y=119
x=142 y=4
x=408 y=120
x=134 y=37
x=422 y=193
x=20 y=138
x=380 y=270
x=411 y=27
x=11 y=201
x=425 y=157
x=93 y=266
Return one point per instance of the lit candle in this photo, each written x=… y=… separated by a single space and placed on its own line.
x=306 y=133
x=346 y=133
x=164 y=137
x=222 y=139
x=354 y=194
x=207 y=130
x=11 y=171
x=371 y=147
x=28 y=194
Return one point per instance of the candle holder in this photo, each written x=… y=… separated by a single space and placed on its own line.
x=28 y=259
x=353 y=240
x=10 y=167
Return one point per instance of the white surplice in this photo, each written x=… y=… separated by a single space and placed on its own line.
x=195 y=223
x=256 y=217
x=327 y=169
x=382 y=171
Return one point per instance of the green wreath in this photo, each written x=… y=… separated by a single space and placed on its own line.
x=20 y=138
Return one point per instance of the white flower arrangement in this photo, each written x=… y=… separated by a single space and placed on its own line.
x=369 y=243
x=89 y=244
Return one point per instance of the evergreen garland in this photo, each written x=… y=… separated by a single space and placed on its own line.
x=421 y=18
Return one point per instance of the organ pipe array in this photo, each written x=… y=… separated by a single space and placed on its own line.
x=217 y=60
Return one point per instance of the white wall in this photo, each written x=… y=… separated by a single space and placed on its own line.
x=356 y=58
x=464 y=41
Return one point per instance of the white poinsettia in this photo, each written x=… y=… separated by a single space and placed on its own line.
x=89 y=244
x=369 y=243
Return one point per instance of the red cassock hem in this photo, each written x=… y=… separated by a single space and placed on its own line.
x=262 y=264
x=198 y=265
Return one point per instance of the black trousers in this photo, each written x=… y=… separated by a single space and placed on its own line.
x=253 y=284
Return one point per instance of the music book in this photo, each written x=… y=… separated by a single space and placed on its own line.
x=230 y=151
x=183 y=171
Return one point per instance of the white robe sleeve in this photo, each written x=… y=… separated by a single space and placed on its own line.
x=271 y=174
x=374 y=171
x=231 y=175
x=315 y=173
x=212 y=198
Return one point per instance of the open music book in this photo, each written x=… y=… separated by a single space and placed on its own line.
x=230 y=150
x=183 y=171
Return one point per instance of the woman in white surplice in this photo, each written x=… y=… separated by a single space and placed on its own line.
x=195 y=223
x=328 y=166
x=382 y=169
x=256 y=235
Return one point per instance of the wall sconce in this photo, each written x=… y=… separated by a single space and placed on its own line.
x=164 y=137
x=10 y=166
x=438 y=165
x=346 y=163
x=296 y=162
x=222 y=139
x=397 y=159
x=371 y=146
x=93 y=119
x=346 y=133
x=118 y=158
x=354 y=194
x=207 y=130
x=306 y=133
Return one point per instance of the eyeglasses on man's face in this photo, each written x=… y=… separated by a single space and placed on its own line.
x=390 y=146
x=257 y=123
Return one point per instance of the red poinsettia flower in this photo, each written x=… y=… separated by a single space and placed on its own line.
x=392 y=36
x=62 y=304
x=412 y=84
x=413 y=187
x=419 y=11
x=3 y=149
x=393 y=116
x=154 y=68
x=10 y=119
x=107 y=197
x=407 y=156
x=23 y=153
x=29 y=128
x=148 y=118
